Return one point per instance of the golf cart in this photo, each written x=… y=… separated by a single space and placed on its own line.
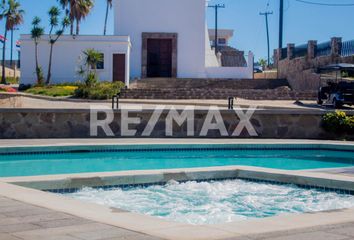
x=336 y=87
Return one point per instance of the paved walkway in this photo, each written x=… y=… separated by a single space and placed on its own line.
x=344 y=231
x=348 y=171
x=21 y=221
x=30 y=102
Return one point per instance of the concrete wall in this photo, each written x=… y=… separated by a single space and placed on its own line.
x=66 y=123
x=301 y=71
x=232 y=72
x=66 y=56
x=210 y=58
x=10 y=72
x=184 y=17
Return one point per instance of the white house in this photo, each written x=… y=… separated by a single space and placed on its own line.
x=152 y=38
x=224 y=36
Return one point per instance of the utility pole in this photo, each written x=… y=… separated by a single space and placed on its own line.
x=267 y=28
x=281 y=22
x=216 y=7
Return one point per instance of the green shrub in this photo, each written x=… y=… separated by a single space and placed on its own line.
x=52 y=90
x=338 y=122
x=40 y=76
x=12 y=80
x=98 y=91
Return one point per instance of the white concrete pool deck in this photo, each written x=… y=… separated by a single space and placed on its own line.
x=294 y=226
x=172 y=230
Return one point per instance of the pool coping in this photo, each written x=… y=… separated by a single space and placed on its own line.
x=6 y=143
x=173 y=230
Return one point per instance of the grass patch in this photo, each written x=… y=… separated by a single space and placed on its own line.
x=53 y=90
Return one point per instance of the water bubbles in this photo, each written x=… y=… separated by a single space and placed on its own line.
x=216 y=202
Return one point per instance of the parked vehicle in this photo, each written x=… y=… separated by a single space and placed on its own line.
x=336 y=91
x=257 y=70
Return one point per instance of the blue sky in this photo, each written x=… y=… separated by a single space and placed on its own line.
x=301 y=22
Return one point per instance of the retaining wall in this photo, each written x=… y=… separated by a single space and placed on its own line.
x=64 y=123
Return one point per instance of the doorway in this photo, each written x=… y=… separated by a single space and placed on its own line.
x=119 y=67
x=159 y=58
x=159 y=55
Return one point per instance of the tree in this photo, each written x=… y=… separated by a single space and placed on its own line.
x=83 y=9
x=13 y=15
x=54 y=14
x=263 y=63
x=90 y=59
x=108 y=7
x=65 y=4
x=36 y=34
x=77 y=10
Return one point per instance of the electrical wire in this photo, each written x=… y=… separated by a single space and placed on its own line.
x=326 y=4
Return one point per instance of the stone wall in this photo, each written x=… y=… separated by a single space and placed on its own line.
x=10 y=100
x=60 y=123
x=208 y=83
x=281 y=93
x=301 y=71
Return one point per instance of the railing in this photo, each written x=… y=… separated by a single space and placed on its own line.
x=324 y=49
x=115 y=101
x=347 y=48
x=300 y=51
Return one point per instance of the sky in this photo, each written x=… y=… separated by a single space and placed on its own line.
x=302 y=22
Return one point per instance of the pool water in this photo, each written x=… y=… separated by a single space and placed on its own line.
x=163 y=158
x=216 y=202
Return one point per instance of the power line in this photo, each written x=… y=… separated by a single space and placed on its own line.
x=326 y=4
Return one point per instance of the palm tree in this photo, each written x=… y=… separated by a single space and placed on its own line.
x=65 y=4
x=263 y=63
x=82 y=10
x=13 y=15
x=77 y=10
x=108 y=7
x=36 y=34
x=54 y=14
x=92 y=58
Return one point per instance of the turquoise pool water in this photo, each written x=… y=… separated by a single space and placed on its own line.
x=217 y=201
x=163 y=157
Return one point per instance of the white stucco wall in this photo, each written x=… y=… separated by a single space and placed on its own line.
x=210 y=57
x=66 y=56
x=185 y=17
x=232 y=72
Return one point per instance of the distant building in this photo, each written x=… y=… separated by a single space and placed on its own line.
x=152 y=38
x=230 y=57
x=224 y=36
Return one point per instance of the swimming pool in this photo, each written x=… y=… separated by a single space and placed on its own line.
x=215 y=202
x=84 y=159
